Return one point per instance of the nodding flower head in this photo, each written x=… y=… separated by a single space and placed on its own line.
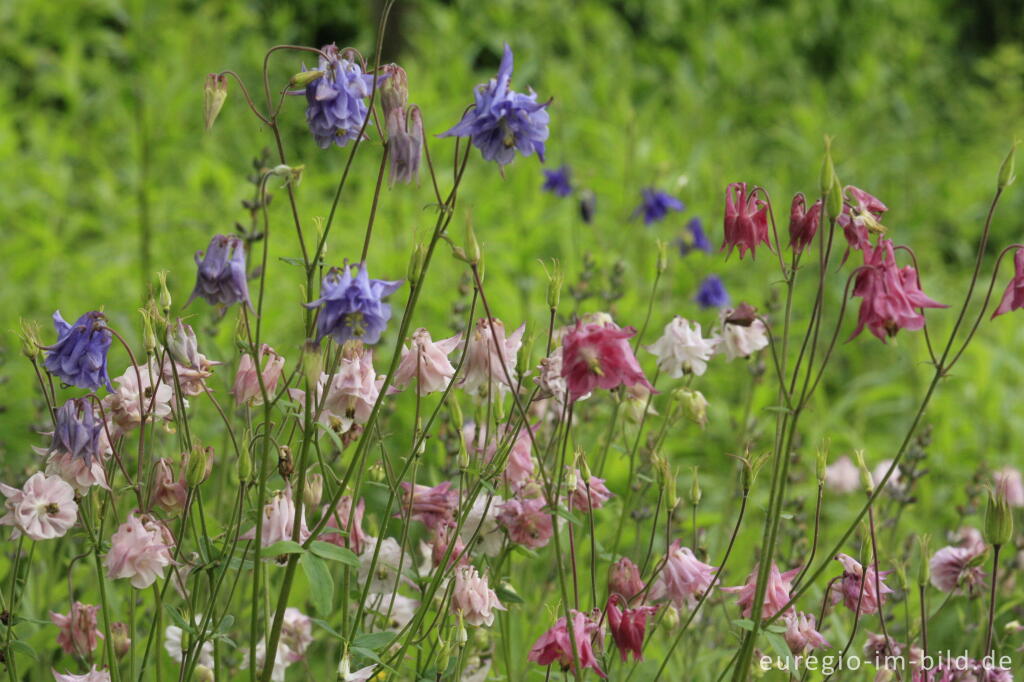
x=746 y=219
x=77 y=430
x=79 y=357
x=1013 y=296
x=803 y=222
x=556 y=181
x=221 y=278
x=503 y=121
x=694 y=239
x=335 y=102
x=598 y=356
x=655 y=205
x=353 y=307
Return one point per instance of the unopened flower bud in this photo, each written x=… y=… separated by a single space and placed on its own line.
x=662 y=263
x=28 y=334
x=1006 y=174
x=244 y=460
x=214 y=93
x=394 y=88
x=865 y=473
x=415 y=269
x=165 y=293
x=834 y=200
x=455 y=410
x=588 y=204
x=671 y=618
x=304 y=78
x=313 y=490
x=998 y=520
x=119 y=639
x=312 y=363
x=821 y=466
x=828 y=171
x=555 y=279
x=695 y=491
x=292 y=174
x=182 y=344
x=148 y=333
x=693 y=404
x=202 y=674
x=472 y=245
x=285 y=465
x=197 y=467
x=570 y=479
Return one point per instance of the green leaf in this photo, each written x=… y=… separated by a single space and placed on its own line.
x=321 y=586
x=507 y=596
x=373 y=640
x=292 y=261
x=326 y=550
x=778 y=644
x=282 y=547
x=178 y=619
x=326 y=626
x=744 y=623
x=24 y=648
x=226 y=623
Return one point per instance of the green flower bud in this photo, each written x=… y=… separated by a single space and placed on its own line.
x=148 y=333
x=821 y=465
x=304 y=78
x=165 y=293
x=196 y=467
x=998 y=520
x=215 y=91
x=313 y=490
x=695 y=491
x=834 y=200
x=244 y=460
x=662 y=264
x=694 y=405
x=28 y=333
x=1006 y=174
x=865 y=473
x=415 y=268
x=472 y=245
x=555 y=279
x=671 y=618
x=120 y=640
x=923 y=566
x=828 y=171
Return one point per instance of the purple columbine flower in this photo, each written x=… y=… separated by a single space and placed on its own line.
x=335 y=102
x=221 y=278
x=353 y=307
x=711 y=293
x=557 y=182
x=77 y=430
x=504 y=120
x=695 y=239
x=79 y=357
x=656 y=205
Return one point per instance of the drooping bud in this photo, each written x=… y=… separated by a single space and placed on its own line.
x=923 y=561
x=119 y=639
x=28 y=334
x=292 y=174
x=214 y=93
x=998 y=520
x=312 y=491
x=394 y=88
x=1006 y=174
x=415 y=269
x=182 y=344
x=865 y=473
x=304 y=78
x=695 y=491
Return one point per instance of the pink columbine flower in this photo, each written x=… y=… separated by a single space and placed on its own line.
x=958 y=568
x=683 y=578
x=486 y=361
x=124 y=406
x=526 y=522
x=891 y=296
x=858 y=586
x=434 y=506
x=588 y=495
x=802 y=634
x=519 y=466
x=353 y=390
x=191 y=379
x=81 y=475
x=776 y=593
x=78 y=631
x=842 y=476
x=1010 y=485
x=140 y=550
x=554 y=646
x=94 y=675
x=624 y=579
x=279 y=519
x=350 y=523
x=296 y=633
x=43 y=509
x=803 y=222
x=246 y=388
x=858 y=222
x=427 y=362
x=599 y=356
x=1013 y=297
x=169 y=491
x=740 y=332
x=682 y=350
x=746 y=219
x=474 y=598
x=628 y=626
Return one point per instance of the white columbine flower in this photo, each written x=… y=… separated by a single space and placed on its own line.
x=682 y=350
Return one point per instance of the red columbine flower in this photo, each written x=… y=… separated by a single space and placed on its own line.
x=803 y=222
x=628 y=627
x=746 y=219
x=555 y=645
x=892 y=296
x=598 y=356
x=858 y=222
x=1013 y=297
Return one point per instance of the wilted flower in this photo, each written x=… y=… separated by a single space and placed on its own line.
x=843 y=476
x=490 y=353
x=588 y=495
x=683 y=578
x=711 y=293
x=695 y=239
x=279 y=519
x=246 y=388
x=427 y=362
x=405 y=145
x=801 y=633
x=776 y=593
x=624 y=579
x=353 y=307
x=77 y=431
x=958 y=568
x=555 y=646
x=656 y=205
x=221 y=278
x=350 y=523
x=858 y=586
x=43 y=509
x=94 y=675
x=803 y=222
x=628 y=626
x=78 y=631
x=557 y=182
x=526 y=522
x=335 y=106
x=740 y=332
x=140 y=550
x=503 y=120
x=434 y=506
x=124 y=407
x=79 y=357
x=746 y=219
x=598 y=356
x=681 y=349
x=1010 y=485
x=474 y=598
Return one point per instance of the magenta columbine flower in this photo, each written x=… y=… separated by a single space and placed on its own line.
x=746 y=219
x=628 y=626
x=474 y=598
x=555 y=646
x=335 y=102
x=557 y=182
x=588 y=495
x=353 y=307
x=78 y=631
x=43 y=509
x=598 y=355
x=858 y=586
x=776 y=593
x=802 y=634
x=1013 y=296
x=683 y=578
x=77 y=431
x=624 y=579
x=526 y=522
x=858 y=222
x=711 y=293
x=79 y=358
x=803 y=222
x=694 y=239
x=655 y=205
x=221 y=278
x=503 y=121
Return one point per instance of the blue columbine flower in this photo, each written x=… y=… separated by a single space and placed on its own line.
x=221 y=278
x=656 y=205
x=79 y=357
x=695 y=239
x=557 y=182
x=77 y=430
x=711 y=293
x=504 y=120
x=335 y=102
x=353 y=307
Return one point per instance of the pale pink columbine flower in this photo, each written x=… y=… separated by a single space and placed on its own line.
x=434 y=506
x=1010 y=484
x=857 y=586
x=94 y=675
x=279 y=519
x=740 y=332
x=78 y=631
x=628 y=626
x=746 y=219
x=169 y=492
x=801 y=633
x=441 y=544
x=140 y=550
x=896 y=484
x=682 y=350
x=191 y=378
x=350 y=523
x=1013 y=296
x=427 y=362
x=958 y=568
x=860 y=220
x=555 y=646
x=599 y=356
x=43 y=509
x=296 y=633
x=776 y=593
x=878 y=647
x=246 y=388
x=387 y=572
x=552 y=383
x=474 y=598
x=519 y=466
x=81 y=475
x=683 y=578
x=526 y=522
x=486 y=361
x=842 y=476
x=588 y=495
x=970 y=537
x=624 y=579
x=482 y=522
x=124 y=407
